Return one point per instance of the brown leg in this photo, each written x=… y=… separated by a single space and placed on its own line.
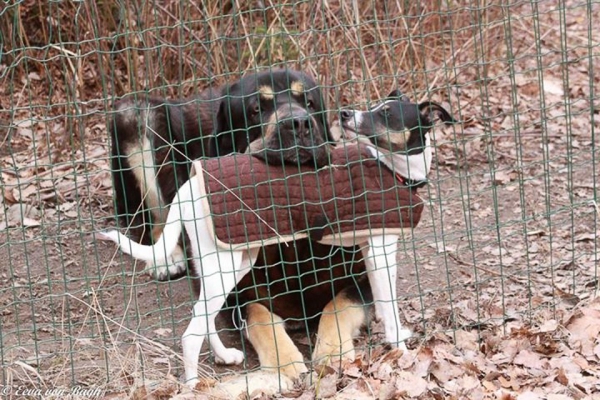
x=340 y=323
x=275 y=348
x=157 y=231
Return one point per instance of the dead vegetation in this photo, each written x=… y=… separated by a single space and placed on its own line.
x=501 y=278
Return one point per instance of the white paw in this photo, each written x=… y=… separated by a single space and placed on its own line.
x=230 y=356
x=109 y=236
x=158 y=272
x=403 y=335
x=192 y=383
x=175 y=266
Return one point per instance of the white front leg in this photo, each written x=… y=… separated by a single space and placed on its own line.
x=382 y=271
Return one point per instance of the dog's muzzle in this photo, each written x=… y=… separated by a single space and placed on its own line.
x=298 y=122
x=350 y=121
x=301 y=137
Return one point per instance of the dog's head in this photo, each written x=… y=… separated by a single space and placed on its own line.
x=279 y=116
x=399 y=128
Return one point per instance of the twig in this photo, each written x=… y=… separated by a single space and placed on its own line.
x=510 y=277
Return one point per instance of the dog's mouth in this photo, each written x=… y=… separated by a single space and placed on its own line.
x=309 y=149
x=296 y=155
x=346 y=125
x=349 y=132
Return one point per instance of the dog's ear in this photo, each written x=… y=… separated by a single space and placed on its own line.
x=430 y=110
x=396 y=94
x=221 y=142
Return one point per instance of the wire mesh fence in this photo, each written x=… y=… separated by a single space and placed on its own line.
x=498 y=282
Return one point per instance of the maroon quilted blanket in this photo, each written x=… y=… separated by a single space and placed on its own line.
x=255 y=204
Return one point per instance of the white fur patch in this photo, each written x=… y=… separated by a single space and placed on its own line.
x=410 y=166
x=297 y=88
x=353 y=124
x=175 y=265
x=380 y=105
x=126 y=110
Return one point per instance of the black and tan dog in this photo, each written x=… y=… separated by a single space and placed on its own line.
x=279 y=115
x=307 y=276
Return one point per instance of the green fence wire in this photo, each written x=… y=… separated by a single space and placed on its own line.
x=508 y=245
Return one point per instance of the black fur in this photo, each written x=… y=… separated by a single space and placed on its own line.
x=301 y=124
x=217 y=122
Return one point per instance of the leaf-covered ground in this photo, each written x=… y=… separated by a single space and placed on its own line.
x=500 y=282
x=556 y=360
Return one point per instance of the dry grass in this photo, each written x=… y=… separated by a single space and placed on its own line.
x=358 y=49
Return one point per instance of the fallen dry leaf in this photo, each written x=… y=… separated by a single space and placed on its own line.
x=549 y=326
x=467 y=340
x=561 y=377
x=414 y=386
x=21 y=214
x=587 y=326
x=163 y=332
x=529 y=359
x=387 y=390
x=528 y=395
x=326 y=386
x=167 y=388
x=139 y=393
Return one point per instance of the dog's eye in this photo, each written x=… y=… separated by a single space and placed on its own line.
x=256 y=109
x=309 y=103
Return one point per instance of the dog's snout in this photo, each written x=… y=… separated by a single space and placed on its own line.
x=297 y=121
x=300 y=123
x=346 y=114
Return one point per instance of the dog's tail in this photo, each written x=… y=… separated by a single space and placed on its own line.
x=160 y=252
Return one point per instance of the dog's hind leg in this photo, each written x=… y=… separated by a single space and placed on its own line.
x=145 y=170
x=382 y=271
x=129 y=206
x=220 y=273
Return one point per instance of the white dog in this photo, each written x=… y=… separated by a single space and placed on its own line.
x=222 y=265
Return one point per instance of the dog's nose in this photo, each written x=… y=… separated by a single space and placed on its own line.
x=298 y=123
x=301 y=123
x=346 y=114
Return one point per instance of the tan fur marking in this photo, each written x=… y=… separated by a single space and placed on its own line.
x=256 y=146
x=297 y=88
x=266 y=92
x=275 y=348
x=397 y=139
x=270 y=131
x=141 y=161
x=339 y=324
x=157 y=231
